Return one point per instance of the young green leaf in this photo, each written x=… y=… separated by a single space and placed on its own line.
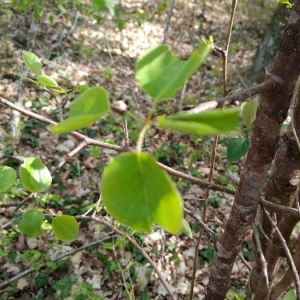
x=87 y=108
x=31 y=223
x=249 y=113
x=7 y=178
x=34 y=175
x=237 y=148
x=138 y=193
x=98 y=5
x=65 y=227
x=161 y=75
x=32 y=62
x=218 y=121
x=290 y=295
x=46 y=81
x=186 y=229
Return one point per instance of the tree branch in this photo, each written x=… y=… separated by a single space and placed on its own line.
x=239 y=96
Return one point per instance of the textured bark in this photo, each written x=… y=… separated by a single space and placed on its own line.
x=282 y=188
x=287 y=279
x=271 y=113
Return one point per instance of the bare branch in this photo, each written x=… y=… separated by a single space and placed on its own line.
x=240 y=96
x=288 y=256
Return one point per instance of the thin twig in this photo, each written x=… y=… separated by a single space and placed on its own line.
x=141 y=250
x=280 y=208
x=169 y=17
x=229 y=100
x=90 y=141
x=30 y=270
x=288 y=255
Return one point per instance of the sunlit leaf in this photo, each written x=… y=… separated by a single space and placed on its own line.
x=7 y=178
x=290 y=295
x=87 y=108
x=214 y=122
x=137 y=193
x=162 y=75
x=186 y=229
x=34 y=175
x=249 y=113
x=32 y=62
x=31 y=223
x=65 y=227
x=47 y=81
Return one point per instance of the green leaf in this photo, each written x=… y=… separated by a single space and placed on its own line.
x=34 y=175
x=32 y=62
x=98 y=5
x=218 y=121
x=186 y=229
x=47 y=81
x=31 y=223
x=111 y=6
x=87 y=108
x=7 y=178
x=82 y=88
x=137 y=193
x=61 y=8
x=65 y=227
x=290 y=295
x=162 y=75
x=249 y=113
x=237 y=148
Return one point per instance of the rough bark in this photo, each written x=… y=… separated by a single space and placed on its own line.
x=281 y=189
x=272 y=111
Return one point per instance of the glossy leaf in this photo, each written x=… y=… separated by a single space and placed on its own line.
x=65 y=227
x=31 y=223
x=237 y=148
x=249 y=113
x=7 y=178
x=137 y=193
x=87 y=108
x=214 y=122
x=161 y=75
x=47 y=81
x=32 y=62
x=34 y=175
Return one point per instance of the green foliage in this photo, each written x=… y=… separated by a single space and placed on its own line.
x=7 y=178
x=32 y=62
x=86 y=109
x=237 y=148
x=287 y=2
x=31 y=223
x=162 y=75
x=290 y=295
x=34 y=175
x=214 y=122
x=186 y=229
x=145 y=193
x=65 y=227
x=249 y=113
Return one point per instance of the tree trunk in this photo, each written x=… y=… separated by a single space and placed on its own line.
x=271 y=113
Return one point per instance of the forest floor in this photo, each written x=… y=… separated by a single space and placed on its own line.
x=75 y=49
